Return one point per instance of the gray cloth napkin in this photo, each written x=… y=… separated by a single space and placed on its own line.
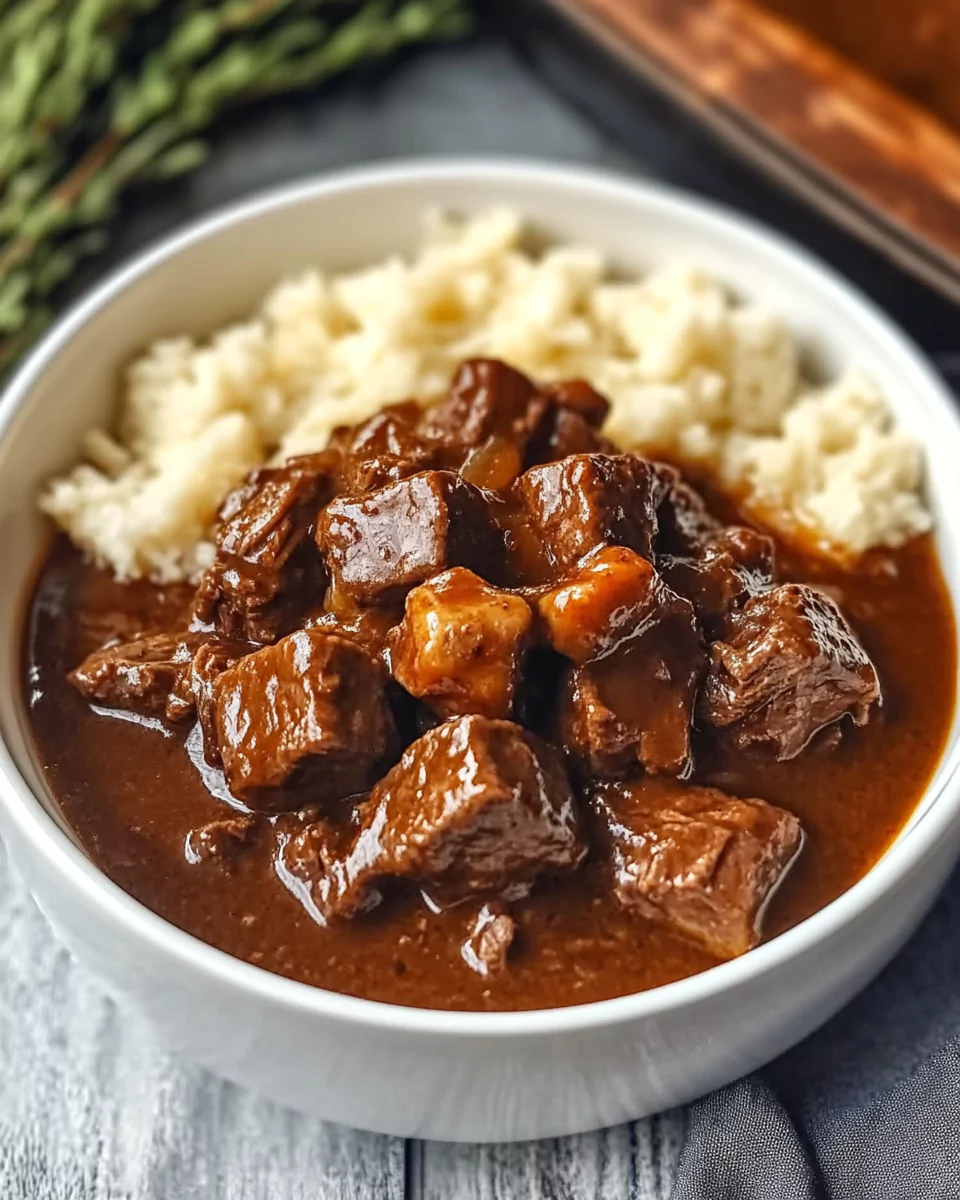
x=868 y=1108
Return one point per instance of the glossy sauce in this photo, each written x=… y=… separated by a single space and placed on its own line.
x=132 y=794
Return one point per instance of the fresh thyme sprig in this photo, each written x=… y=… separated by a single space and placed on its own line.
x=101 y=94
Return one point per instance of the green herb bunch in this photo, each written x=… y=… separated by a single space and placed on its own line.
x=96 y=95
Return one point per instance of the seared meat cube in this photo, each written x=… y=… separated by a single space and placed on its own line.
x=309 y=861
x=474 y=807
x=305 y=717
x=578 y=396
x=148 y=675
x=381 y=544
x=789 y=666
x=488 y=943
x=486 y=421
x=697 y=860
x=368 y=627
x=563 y=432
x=634 y=707
x=214 y=657
x=267 y=570
x=220 y=841
x=386 y=448
x=683 y=522
x=590 y=500
x=728 y=568
x=487 y=399
x=607 y=600
x=571 y=424
x=460 y=645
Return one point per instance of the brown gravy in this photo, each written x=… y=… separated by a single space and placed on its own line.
x=132 y=795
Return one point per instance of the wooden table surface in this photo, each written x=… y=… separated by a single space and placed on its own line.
x=91 y=1108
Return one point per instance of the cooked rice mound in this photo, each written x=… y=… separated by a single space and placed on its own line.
x=692 y=376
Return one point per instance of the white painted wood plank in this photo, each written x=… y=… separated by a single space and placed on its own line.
x=92 y=1109
x=635 y=1162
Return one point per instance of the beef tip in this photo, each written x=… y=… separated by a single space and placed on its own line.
x=590 y=500
x=368 y=627
x=683 y=522
x=220 y=841
x=563 y=432
x=386 y=448
x=487 y=399
x=148 y=675
x=214 y=656
x=570 y=424
x=461 y=644
x=309 y=859
x=474 y=807
x=488 y=943
x=728 y=568
x=267 y=570
x=381 y=544
x=789 y=666
x=695 y=859
x=307 y=717
x=486 y=421
x=608 y=598
x=634 y=707
x=578 y=396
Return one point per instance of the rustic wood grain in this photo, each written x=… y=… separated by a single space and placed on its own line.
x=632 y=1162
x=867 y=155
x=92 y=1109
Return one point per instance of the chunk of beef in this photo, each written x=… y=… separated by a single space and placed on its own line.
x=578 y=396
x=461 y=644
x=147 y=675
x=486 y=421
x=634 y=707
x=306 y=717
x=683 y=522
x=220 y=841
x=492 y=931
x=728 y=568
x=570 y=424
x=386 y=448
x=789 y=666
x=213 y=657
x=701 y=862
x=368 y=627
x=381 y=544
x=487 y=400
x=608 y=598
x=561 y=433
x=474 y=807
x=267 y=571
x=308 y=860
x=591 y=500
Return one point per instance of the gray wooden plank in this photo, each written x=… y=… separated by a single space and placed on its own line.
x=92 y=1109
x=633 y=1162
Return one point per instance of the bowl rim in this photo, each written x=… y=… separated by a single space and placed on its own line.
x=941 y=800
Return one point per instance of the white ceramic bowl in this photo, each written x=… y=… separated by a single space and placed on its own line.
x=470 y=1076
